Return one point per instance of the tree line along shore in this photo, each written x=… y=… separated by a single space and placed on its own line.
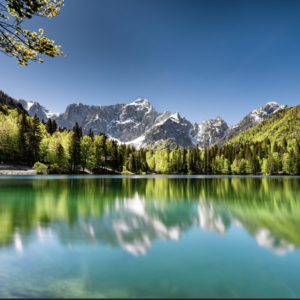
x=28 y=141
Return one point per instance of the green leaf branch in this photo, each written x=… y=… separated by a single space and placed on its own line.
x=21 y=43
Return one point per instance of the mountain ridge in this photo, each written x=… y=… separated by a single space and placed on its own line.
x=11 y=103
x=283 y=123
x=140 y=125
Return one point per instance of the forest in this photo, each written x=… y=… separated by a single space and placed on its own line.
x=50 y=149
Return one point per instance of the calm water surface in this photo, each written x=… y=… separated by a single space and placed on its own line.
x=149 y=237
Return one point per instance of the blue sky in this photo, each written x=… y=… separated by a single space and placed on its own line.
x=201 y=58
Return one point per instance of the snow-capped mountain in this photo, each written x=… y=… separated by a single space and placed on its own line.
x=140 y=125
x=34 y=108
x=255 y=117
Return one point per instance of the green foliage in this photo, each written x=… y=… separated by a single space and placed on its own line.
x=225 y=169
x=40 y=168
x=27 y=140
x=10 y=103
x=24 y=44
x=264 y=167
x=54 y=169
x=34 y=138
x=287 y=163
x=283 y=127
x=88 y=158
x=75 y=147
x=127 y=173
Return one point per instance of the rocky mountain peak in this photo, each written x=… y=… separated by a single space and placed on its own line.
x=262 y=112
x=142 y=102
x=209 y=132
x=34 y=108
x=162 y=118
x=176 y=117
x=139 y=124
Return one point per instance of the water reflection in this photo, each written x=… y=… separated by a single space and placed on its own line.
x=132 y=213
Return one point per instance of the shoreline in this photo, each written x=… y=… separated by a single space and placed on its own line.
x=45 y=176
x=18 y=172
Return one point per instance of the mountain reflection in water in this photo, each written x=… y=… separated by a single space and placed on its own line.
x=132 y=213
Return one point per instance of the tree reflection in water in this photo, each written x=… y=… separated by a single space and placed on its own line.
x=132 y=213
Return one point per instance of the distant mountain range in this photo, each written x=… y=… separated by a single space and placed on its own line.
x=140 y=125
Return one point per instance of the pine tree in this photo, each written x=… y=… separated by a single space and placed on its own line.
x=281 y=150
x=259 y=152
x=204 y=163
x=296 y=166
x=242 y=166
x=49 y=126
x=254 y=164
x=132 y=163
x=80 y=132
x=114 y=156
x=287 y=163
x=54 y=126
x=34 y=140
x=267 y=141
x=284 y=144
x=233 y=154
x=275 y=148
x=120 y=158
x=265 y=152
x=225 y=152
x=60 y=153
x=22 y=141
x=270 y=165
x=225 y=169
x=247 y=152
x=138 y=164
x=184 y=161
x=208 y=162
x=91 y=134
x=75 y=149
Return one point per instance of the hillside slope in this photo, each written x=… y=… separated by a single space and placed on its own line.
x=254 y=117
x=285 y=123
x=10 y=102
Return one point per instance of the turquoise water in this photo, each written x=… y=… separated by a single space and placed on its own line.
x=149 y=236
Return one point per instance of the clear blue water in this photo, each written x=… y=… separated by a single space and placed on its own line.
x=143 y=236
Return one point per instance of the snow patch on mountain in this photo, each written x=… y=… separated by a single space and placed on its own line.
x=34 y=108
x=140 y=125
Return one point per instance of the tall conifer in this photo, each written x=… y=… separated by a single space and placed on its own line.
x=22 y=141
x=296 y=167
x=91 y=134
x=75 y=149
x=49 y=127
x=54 y=126
x=34 y=140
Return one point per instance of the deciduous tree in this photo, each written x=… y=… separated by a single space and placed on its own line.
x=15 y=41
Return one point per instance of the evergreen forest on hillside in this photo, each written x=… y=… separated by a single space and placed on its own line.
x=285 y=123
x=27 y=140
x=9 y=102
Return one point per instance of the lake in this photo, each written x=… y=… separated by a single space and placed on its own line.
x=149 y=236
